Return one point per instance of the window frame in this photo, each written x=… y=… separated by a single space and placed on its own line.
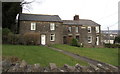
x=52 y=36
x=33 y=24
x=97 y=29
x=69 y=29
x=90 y=39
x=52 y=26
x=77 y=37
x=89 y=28
x=76 y=29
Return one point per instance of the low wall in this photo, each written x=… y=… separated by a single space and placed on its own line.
x=22 y=66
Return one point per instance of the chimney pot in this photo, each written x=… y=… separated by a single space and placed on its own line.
x=76 y=17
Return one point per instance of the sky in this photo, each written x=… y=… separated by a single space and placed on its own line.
x=103 y=12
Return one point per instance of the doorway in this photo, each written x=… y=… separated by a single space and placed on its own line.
x=43 y=39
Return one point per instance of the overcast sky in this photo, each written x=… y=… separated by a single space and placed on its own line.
x=103 y=12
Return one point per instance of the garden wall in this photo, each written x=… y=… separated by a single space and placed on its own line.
x=21 y=66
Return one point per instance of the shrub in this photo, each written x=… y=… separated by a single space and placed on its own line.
x=112 y=45
x=31 y=38
x=117 y=39
x=75 y=42
x=5 y=32
x=13 y=38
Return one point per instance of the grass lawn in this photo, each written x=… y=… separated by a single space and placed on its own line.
x=39 y=54
x=108 y=55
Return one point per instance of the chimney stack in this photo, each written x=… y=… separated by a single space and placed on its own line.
x=76 y=17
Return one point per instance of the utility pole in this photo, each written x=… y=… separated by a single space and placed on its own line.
x=108 y=35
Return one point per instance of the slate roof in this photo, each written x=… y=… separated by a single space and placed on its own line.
x=80 y=22
x=37 y=17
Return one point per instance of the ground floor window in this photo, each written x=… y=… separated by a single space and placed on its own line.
x=89 y=39
x=52 y=37
x=65 y=40
x=77 y=37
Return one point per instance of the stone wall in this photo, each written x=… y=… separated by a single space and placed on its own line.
x=22 y=66
x=43 y=28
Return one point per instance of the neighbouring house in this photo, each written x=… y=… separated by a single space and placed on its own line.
x=53 y=30
x=109 y=37
x=87 y=32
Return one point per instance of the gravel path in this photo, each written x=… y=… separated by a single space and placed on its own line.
x=88 y=60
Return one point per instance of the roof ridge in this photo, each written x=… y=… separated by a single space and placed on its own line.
x=38 y=14
x=79 y=20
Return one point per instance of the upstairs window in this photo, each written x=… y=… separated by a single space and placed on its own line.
x=69 y=29
x=52 y=37
x=33 y=26
x=76 y=29
x=89 y=39
x=89 y=29
x=97 y=29
x=52 y=26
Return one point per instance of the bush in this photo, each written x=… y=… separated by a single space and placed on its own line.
x=13 y=38
x=31 y=38
x=112 y=45
x=117 y=39
x=5 y=32
x=75 y=42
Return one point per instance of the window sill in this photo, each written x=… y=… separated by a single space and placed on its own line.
x=52 y=41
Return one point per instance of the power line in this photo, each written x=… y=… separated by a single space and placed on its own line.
x=115 y=13
x=116 y=23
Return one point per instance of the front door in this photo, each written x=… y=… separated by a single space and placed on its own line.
x=43 y=39
x=64 y=40
x=97 y=40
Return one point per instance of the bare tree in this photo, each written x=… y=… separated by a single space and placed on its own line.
x=28 y=4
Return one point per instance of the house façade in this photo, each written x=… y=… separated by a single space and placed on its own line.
x=53 y=30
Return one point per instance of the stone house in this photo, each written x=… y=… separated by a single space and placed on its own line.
x=53 y=30
x=48 y=26
x=87 y=32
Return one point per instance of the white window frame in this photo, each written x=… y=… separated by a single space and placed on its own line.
x=52 y=35
x=70 y=29
x=33 y=26
x=97 y=29
x=52 y=26
x=89 y=28
x=90 y=39
x=76 y=29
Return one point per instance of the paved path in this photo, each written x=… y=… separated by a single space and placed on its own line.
x=88 y=60
x=75 y=56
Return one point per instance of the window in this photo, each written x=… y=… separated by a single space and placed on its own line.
x=77 y=37
x=69 y=29
x=89 y=29
x=89 y=39
x=76 y=29
x=52 y=26
x=33 y=26
x=97 y=29
x=52 y=37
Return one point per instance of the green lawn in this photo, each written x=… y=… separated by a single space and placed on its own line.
x=108 y=55
x=39 y=54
